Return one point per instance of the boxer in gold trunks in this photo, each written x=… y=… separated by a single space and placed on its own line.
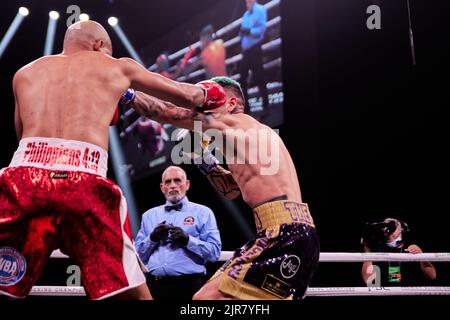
x=279 y=263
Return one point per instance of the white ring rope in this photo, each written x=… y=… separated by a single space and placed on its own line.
x=381 y=256
x=347 y=256
x=311 y=292
x=376 y=291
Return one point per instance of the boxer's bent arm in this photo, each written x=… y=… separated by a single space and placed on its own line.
x=160 y=111
x=166 y=112
x=224 y=183
x=182 y=94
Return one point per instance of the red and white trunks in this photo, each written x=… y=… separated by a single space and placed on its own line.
x=55 y=194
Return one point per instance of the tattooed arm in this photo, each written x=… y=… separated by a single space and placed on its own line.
x=162 y=111
x=166 y=112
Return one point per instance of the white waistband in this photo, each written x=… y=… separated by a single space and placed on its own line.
x=61 y=154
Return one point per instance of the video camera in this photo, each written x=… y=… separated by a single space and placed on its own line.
x=376 y=234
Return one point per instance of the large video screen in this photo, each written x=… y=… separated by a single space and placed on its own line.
x=226 y=39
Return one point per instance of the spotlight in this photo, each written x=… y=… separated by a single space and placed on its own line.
x=54 y=15
x=113 y=21
x=23 y=11
x=84 y=17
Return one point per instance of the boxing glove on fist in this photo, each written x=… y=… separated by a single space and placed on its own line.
x=214 y=94
x=127 y=97
x=209 y=162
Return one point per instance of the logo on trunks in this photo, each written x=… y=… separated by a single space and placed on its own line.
x=189 y=220
x=238 y=263
x=289 y=266
x=275 y=286
x=59 y=175
x=42 y=153
x=12 y=266
x=299 y=212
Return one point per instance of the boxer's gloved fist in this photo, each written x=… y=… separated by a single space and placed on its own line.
x=127 y=97
x=179 y=236
x=160 y=232
x=209 y=162
x=214 y=95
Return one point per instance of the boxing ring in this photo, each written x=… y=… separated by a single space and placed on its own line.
x=342 y=257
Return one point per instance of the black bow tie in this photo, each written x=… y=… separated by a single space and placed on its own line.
x=177 y=207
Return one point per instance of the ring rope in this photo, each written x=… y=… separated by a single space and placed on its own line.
x=376 y=291
x=347 y=256
x=311 y=292
x=382 y=256
x=76 y=291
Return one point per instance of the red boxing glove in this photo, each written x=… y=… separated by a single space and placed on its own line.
x=214 y=94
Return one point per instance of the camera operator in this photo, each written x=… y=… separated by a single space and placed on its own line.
x=392 y=235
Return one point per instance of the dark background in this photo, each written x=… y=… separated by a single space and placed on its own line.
x=366 y=128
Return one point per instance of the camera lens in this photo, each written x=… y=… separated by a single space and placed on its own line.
x=390 y=228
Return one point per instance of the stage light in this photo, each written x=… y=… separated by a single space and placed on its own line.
x=113 y=21
x=54 y=15
x=124 y=39
x=51 y=29
x=21 y=14
x=115 y=147
x=24 y=11
x=84 y=17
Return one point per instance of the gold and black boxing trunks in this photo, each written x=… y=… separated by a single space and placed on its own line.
x=280 y=262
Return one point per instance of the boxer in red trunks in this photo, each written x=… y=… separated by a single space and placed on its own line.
x=55 y=193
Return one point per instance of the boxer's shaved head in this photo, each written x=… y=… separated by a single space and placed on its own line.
x=88 y=35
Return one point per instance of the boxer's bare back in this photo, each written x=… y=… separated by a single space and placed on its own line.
x=74 y=95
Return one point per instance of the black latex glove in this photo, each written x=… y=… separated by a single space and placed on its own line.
x=179 y=236
x=160 y=232
x=245 y=31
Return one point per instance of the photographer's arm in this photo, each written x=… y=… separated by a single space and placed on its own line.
x=428 y=270
x=367 y=270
